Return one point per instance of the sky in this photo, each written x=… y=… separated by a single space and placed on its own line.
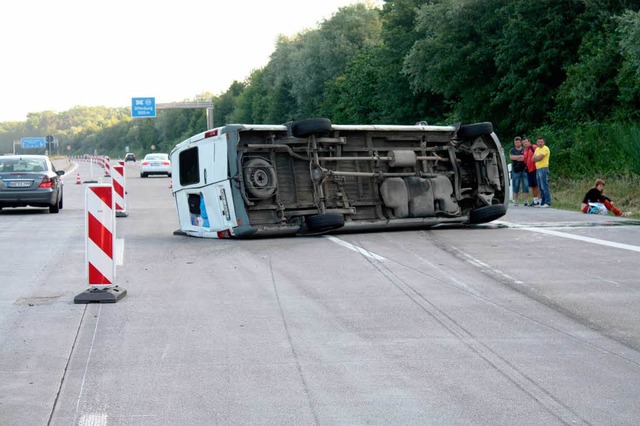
x=65 y=53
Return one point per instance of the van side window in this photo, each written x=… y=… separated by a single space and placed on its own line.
x=189 y=167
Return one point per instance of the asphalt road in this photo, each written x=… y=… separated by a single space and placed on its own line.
x=530 y=320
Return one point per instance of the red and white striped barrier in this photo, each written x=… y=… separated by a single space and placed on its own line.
x=100 y=246
x=119 y=190
x=100 y=235
x=107 y=166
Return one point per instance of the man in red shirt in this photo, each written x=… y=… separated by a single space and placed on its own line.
x=531 y=170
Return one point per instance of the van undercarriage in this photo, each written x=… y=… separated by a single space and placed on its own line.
x=316 y=177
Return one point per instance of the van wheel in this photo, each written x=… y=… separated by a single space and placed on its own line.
x=310 y=126
x=324 y=222
x=487 y=213
x=260 y=178
x=474 y=130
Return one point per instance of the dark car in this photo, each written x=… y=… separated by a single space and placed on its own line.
x=130 y=157
x=30 y=180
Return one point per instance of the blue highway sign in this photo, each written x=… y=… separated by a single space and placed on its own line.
x=143 y=107
x=33 y=142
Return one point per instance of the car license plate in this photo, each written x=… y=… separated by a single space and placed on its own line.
x=19 y=184
x=155 y=164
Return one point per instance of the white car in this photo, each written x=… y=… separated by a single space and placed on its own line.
x=155 y=164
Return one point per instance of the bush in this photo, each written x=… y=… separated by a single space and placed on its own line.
x=593 y=149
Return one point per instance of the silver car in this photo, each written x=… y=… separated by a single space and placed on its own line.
x=155 y=164
x=30 y=180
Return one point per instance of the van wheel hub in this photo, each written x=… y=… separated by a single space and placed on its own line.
x=259 y=178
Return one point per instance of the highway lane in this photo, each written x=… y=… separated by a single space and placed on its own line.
x=499 y=324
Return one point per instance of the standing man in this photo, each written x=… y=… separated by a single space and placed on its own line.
x=519 y=179
x=541 y=158
x=531 y=171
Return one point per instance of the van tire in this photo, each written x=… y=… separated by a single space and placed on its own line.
x=474 y=130
x=260 y=178
x=324 y=222
x=487 y=214
x=311 y=126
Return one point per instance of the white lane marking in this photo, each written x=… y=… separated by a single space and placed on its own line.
x=480 y=264
x=355 y=248
x=86 y=366
x=93 y=420
x=574 y=237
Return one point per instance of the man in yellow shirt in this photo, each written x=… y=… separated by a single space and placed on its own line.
x=541 y=159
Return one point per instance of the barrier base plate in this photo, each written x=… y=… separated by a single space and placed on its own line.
x=101 y=295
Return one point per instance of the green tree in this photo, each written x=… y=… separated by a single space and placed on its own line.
x=455 y=56
x=534 y=48
x=282 y=105
x=397 y=102
x=324 y=53
x=590 y=91
x=628 y=78
x=250 y=106
x=225 y=104
x=496 y=60
x=351 y=97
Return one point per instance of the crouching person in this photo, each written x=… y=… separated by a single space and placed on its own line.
x=595 y=201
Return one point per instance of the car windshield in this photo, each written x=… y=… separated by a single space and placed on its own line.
x=22 y=165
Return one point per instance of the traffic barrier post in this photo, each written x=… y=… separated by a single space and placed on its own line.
x=119 y=190
x=107 y=166
x=100 y=227
x=91 y=180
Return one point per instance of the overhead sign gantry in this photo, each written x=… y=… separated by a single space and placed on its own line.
x=147 y=107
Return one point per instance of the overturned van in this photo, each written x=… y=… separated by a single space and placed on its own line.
x=312 y=176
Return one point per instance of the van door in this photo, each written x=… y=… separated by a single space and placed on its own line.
x=215 y=209
x=213 y=159
x=204 y=199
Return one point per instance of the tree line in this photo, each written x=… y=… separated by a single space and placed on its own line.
x=569 y=71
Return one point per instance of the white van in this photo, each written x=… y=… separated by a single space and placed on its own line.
x=312 y=176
